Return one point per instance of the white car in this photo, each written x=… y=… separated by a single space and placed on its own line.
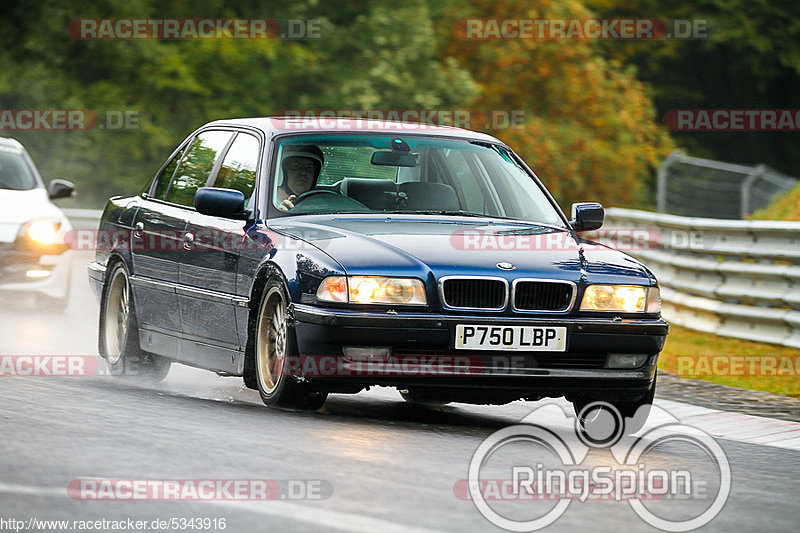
x=34 y=258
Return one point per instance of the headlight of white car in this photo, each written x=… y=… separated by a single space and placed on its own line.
x=42 y=231
x=621 y=299
x=372 y=290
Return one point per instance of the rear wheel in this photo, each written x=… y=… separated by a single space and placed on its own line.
x=275 y=346
x=119 y=334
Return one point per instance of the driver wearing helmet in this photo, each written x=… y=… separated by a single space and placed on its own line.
x=301 y=166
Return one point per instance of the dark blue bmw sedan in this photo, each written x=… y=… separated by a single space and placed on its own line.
x=315 y=256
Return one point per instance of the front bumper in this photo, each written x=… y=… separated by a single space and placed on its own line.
x=97 y=275
x=418 y=339
x=24 y=271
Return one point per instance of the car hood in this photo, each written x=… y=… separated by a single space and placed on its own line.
x=420 y=245
x=19 y=207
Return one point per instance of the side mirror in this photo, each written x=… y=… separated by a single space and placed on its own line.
x=218 y=202
x=587 y=216
x=60 y=189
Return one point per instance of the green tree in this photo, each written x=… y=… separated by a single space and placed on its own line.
x=749 y=60
x=370 y=55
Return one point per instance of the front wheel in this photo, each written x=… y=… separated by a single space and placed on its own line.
x=275 y=347
x=119 y=334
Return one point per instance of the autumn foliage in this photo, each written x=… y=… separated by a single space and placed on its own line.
x=590 y=129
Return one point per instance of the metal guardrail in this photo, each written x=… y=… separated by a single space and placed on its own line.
x=83 y=218
x=729 y=277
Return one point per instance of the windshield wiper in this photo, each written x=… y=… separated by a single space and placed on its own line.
x=443 y=212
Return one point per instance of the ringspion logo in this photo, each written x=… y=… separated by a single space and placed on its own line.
x=517 y=473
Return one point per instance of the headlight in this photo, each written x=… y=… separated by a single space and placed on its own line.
x=42 y=231
x=372 y=290
x=621 y=299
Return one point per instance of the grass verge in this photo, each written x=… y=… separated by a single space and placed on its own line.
x=733 y=362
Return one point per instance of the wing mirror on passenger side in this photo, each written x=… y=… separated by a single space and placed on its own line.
x=587 y=216
x=218 y=202
x=60 y=189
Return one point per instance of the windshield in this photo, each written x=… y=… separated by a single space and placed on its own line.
x=14 y=171
x=390 y=174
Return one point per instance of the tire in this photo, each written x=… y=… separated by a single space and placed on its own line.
x=119 y=333
x=633 y=414
x=275 y=344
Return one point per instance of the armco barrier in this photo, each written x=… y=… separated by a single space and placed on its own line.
x=83 y=218
x=730 y=277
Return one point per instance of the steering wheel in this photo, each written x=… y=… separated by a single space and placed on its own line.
x=314 y=192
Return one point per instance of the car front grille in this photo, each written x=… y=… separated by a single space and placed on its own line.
x=545 y=296
x=474 y=293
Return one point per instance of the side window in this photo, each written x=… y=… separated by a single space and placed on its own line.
x=166 y=175
x=194 y=171
x=238 y=170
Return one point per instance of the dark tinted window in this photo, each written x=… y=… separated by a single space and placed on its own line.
x=14 y=172
x=166 y=175
x=238 y=170
x=196 y=167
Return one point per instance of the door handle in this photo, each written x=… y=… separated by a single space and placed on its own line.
x=138 y=229
x=188 y=241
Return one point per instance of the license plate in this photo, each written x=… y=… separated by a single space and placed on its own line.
x=518 y=338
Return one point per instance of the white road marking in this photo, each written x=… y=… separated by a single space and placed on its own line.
x=7 y=488
x=719 y=424
x=325 y=518
x=737 y=426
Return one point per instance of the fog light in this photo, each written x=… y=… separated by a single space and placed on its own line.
x=37 y=273
x=367 y=353
x=626 y=360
